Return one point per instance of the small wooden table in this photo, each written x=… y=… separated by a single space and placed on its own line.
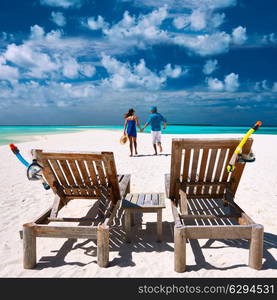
x=148 y=203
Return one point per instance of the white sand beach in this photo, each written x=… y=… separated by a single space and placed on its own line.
x=22 y=201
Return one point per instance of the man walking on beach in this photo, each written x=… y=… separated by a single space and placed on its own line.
x=155 y=120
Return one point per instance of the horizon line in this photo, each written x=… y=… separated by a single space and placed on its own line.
x=170 y=124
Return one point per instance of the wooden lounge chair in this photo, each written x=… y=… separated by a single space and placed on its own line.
x=73 y=175
x=202 y=194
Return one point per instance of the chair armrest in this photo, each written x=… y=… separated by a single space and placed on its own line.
x=124 y=188
x=109 y=218
x=124 y=185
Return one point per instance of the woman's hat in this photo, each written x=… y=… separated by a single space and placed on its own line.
x=123 y=139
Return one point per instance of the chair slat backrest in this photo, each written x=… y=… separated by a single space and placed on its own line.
x=80 y=175
x=197 y=162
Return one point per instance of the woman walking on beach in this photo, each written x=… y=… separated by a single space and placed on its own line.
x=131 y=122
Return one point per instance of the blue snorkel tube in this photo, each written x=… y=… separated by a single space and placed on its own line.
x=18 y=155
x=34 y=170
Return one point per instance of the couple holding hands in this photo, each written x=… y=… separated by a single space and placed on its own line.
x=155 y=120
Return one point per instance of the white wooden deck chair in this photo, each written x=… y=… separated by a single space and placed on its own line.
x=202 y=194
x=75 y=175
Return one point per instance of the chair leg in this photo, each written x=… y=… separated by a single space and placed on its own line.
x=159 y=226
x=179 y=249
x=132 y=218
x=256 y=247
x=29 y=247
x=128 y=225
x=103 y=246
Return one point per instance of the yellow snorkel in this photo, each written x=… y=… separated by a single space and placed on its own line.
x=231 y=165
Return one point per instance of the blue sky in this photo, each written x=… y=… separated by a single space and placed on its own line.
x=84 y=62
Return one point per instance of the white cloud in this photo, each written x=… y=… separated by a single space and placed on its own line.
x=37 y=32
x=172 y=72
x=143 y=30
x=216 y=20
x=138 y=31
x=70 y=68
x=62 y=3
x=205 y=44
x=210 y=66
x=123 y=75
x=187 y=4
x=230 y=83
x=181 y=22
x=50 y=93
x=264 y=86
x=35 y=62
x=4 y=36
x=257 y=86
x=215 y=84
x=53 y=36
x=269 y=39
x=87 y=70
x=48 y=56
x=239 y=35
x=272 y=38
x=96 y=24
x=240 y=107
x=198 y=20
x=7 y=72
x=55 y=43
x=58 y=18
x=84 y=90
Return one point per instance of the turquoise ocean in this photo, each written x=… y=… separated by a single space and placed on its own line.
x=16 y=134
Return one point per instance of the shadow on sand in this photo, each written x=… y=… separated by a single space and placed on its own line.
x=270 y=241
x=161 y=154
x=144 y=240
